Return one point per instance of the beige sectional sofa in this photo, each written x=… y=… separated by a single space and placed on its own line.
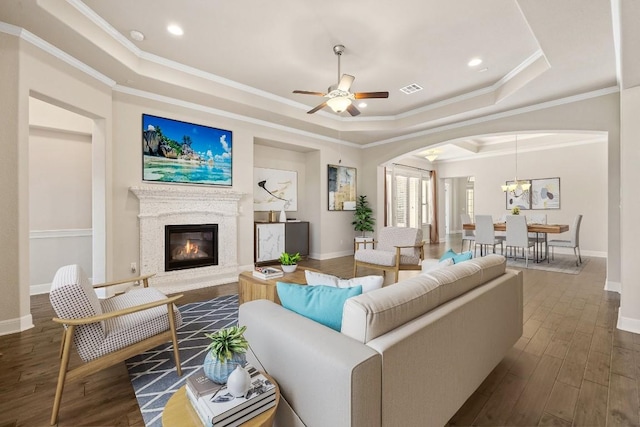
x=408 y=354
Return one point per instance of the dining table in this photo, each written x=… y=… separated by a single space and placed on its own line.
x=541 y=230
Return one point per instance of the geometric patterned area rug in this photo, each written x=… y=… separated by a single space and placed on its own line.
x=560 y=264
x=153 y=373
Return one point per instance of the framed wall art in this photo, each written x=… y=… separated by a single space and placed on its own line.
x=545 y=193
x=179 y=152
x=275 y=190
x=341 y=188
x=518 y=198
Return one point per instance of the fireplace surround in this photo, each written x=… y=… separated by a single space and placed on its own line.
x=162 y=205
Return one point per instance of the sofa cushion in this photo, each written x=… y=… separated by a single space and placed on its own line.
x=370 y=315
x=434 y=264
x=368 y=283
x=323 y=304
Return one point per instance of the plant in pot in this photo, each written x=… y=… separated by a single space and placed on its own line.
x=289 y=262
x=225 y=352
x=363 y=219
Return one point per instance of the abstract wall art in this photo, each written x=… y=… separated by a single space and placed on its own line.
x=275 y=190
x=545 y=193
x=342 y=188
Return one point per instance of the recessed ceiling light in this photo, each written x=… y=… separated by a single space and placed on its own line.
x=362 y=105
x=176 y=30
x=136 y=35
x=475 y=62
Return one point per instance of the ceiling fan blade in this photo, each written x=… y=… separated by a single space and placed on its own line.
x=345 y=82
x=353 y=110
x=319 y=107
x=366 y=95
x=306 y=92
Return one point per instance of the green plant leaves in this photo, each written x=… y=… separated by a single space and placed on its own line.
x=227 y=342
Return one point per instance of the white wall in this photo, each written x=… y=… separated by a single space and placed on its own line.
x=629 y=315
x=59 y=204
x=583 y=186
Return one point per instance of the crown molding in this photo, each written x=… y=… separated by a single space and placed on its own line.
x=55 y=52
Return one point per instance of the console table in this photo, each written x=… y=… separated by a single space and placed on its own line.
x=251 y=287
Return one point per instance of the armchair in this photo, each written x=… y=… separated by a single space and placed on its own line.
x=108 y=331
x=397 y=248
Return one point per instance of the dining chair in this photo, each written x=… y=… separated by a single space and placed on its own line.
x=467 y=235
x=537 y=218
x=486 y=235
x=574 y=242
x=518 y=236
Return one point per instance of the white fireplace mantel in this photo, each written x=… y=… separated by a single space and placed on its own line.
x=162 y=205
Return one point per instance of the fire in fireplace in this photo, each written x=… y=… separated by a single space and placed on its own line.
x=190 y=246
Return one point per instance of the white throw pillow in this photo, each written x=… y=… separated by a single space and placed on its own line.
x=320 y=279
x=368 y=283
x=429 y=265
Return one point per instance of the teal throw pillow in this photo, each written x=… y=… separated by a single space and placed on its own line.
x=464 y=256
x=457 y=257
x=449 y=254
x=323 y=304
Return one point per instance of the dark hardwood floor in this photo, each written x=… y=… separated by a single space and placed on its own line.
x=571 y=366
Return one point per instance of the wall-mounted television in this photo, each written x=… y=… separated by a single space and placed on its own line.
x=179 y=152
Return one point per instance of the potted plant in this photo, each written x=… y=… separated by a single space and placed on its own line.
x=289 y=262
x=363 y=220
x=225 y=352
x=515 y=210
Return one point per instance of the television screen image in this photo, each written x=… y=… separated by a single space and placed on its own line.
x=179 y=152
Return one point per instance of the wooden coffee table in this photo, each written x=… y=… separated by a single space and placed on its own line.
x=178 y=411
x=250 y=287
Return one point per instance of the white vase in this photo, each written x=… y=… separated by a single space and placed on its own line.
x=239 y=382
x=283 y=216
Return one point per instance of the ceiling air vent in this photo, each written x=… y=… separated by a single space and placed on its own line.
x=412 y=88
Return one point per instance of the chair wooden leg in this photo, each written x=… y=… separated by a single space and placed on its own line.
x=62 y=374
x=174 y=338
x=64 y=334
x=355 y=269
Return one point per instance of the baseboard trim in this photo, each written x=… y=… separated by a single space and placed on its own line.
x=11 y=326
x=331 y=255
x=43 y=288
x=628 y=324
x=612 y=286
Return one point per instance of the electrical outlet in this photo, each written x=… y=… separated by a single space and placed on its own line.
x=134 y=267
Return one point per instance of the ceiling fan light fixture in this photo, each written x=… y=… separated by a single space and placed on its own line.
x=339 y=103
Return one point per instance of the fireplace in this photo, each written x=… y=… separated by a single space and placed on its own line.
x=190 y=246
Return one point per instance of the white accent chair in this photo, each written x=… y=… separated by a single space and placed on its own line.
x=467 y=235
x=108 y=331
x=397 y=248
x=518 y=236
x=486 y=235
x=574 y=242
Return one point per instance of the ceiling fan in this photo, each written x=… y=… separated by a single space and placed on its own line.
x=340 y=98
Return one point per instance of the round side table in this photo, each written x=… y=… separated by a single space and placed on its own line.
x=178 y=411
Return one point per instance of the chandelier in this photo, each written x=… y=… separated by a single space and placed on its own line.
x=517 y=188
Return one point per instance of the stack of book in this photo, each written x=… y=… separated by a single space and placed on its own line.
x=266 y=273
x=216 y=407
